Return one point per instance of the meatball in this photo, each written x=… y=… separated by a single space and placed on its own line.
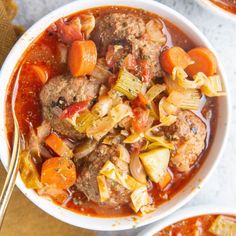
x=87 y=180
x=61 y=92
x=128 y=32
x=189 y=134
x=150 y=51
x=114 y=27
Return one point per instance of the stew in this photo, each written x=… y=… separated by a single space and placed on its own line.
x=228 y=5
x=207 y=225
x=117 y=108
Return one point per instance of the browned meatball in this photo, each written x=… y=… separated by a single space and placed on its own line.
x=189 y=134
x=129 y=33
x=113 y=27
x=61 y=92
x=87 y=180
x=148 y=50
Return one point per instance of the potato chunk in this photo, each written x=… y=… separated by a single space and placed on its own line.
x=155 y=163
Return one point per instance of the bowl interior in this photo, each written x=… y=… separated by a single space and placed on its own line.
x=186 y=214
x=182 y=197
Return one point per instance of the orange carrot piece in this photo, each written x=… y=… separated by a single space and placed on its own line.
x=41 y=72
x=165 y=180
x=173 y=57
x=58 y=146
x=58 y=172
x=204 y=61
x=82 y=57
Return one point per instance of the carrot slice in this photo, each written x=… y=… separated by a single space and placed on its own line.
x=173 y=57
x=58 y=146
x=165 y=180
x=204 y=61
x=82 y=57
x=58 y=172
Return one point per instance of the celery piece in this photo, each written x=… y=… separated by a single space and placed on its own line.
x=82 y=121
x=128 y=84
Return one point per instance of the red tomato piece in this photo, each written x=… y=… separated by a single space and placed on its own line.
x=110 y=60
x=69 y=31
x=145 y=72
x=130 y=62
x=140 y=101
x=74 y=108
x=141 y=119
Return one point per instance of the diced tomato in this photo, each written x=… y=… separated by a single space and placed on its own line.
x=74 y=108
x=112 y=80
x=141 y=119
x=69 y=31
x=145 y=72
x=140 y=101
x=110 y=56
x=130 y=62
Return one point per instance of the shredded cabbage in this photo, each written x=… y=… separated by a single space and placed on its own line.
x=102 y=107
x=181 y=76
x=157 y=141
x=147 y=209
x=119 y=112
x=101 y=73
x=102 y=186
x=101 y=127
x=139 y=198
x=28 y=171
x=114 y=173
x=124 y=154
x=133 y=138
x=154 y=91
x=165 y=118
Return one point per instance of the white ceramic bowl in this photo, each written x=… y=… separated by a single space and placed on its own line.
x=186 y=214
x=183 y=196
x=217 y=10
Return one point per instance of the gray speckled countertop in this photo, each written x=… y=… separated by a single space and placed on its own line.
x=221 y=187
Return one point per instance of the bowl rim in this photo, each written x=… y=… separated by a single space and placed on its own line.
x=217 y=10
x=187 y=213
x=104 y=224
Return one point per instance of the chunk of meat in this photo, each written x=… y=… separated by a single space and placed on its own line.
x=189 y=134
x=61 y=92
x=87 y=180
x=114 y=27
x=148 y=50
x=119 y=34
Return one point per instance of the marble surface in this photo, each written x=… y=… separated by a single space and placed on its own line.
x=221 y=187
